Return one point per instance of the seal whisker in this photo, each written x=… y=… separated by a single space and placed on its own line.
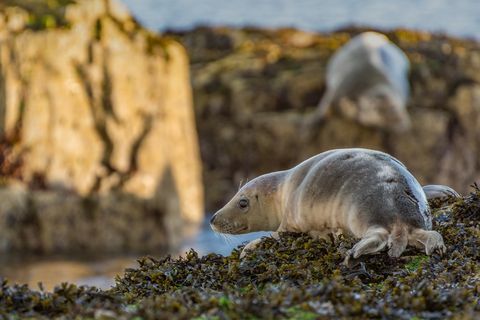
x=224 y=237
x=228 y=239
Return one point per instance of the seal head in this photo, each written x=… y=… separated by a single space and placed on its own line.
x=253 y=208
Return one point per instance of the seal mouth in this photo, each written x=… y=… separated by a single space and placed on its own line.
x=242 y=230
x=236 y=231
x=229 y=230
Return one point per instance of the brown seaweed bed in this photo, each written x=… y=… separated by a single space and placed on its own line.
x=293 y=278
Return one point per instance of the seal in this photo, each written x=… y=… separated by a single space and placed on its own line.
x=366 y=193
x=367 y=81
x=433 y=191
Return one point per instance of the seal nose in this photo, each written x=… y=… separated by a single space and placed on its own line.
x=213 y=218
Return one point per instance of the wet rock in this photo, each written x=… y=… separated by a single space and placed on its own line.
x=54 y=222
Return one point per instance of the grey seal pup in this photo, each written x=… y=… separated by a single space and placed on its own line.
x=367 y=81
x=366 y=193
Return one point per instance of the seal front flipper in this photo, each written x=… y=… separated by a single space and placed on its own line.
x=250 y=247
x=323 y=109
x=433 y=191
x=311 y=122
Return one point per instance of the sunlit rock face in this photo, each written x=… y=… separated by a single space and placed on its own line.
x=92 y=106
x=253 y=88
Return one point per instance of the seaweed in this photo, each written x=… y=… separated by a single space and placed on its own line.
x=42 y=14
x=295 y=277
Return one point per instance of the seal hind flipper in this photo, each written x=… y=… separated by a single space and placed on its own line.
x=430 y=240
x=397 y=240
x=433 y=191
x=376 y=239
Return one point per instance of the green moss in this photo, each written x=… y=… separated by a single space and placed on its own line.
x=297 y=313
x=416 y=263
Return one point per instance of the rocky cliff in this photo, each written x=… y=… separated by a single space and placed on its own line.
x=97 y=122
x=252 y=88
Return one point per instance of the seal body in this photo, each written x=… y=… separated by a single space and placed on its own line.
x=366 y=193
x=367 y=81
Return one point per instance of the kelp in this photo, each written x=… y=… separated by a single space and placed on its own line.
x=295 y=277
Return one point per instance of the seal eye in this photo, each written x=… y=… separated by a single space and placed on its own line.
x=243 y=203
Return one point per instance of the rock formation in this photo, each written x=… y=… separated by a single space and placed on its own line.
x=97 y=119
x=252 y=87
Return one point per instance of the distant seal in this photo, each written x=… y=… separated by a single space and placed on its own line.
x=367 y=81
x=366 y=193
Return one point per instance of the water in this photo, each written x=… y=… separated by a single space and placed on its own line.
x=207 y=241
x=460 y=18
x=101 y=272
